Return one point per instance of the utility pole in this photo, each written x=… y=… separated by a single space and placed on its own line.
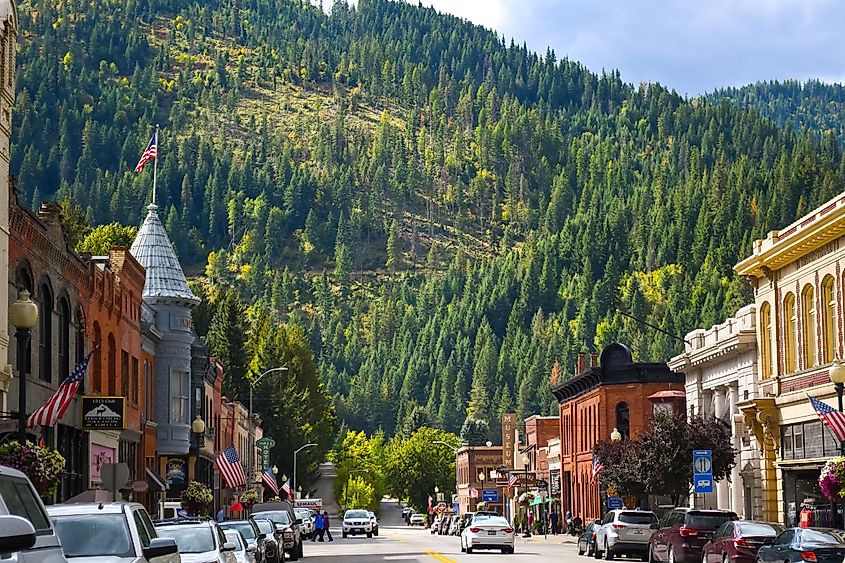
x=251 y=457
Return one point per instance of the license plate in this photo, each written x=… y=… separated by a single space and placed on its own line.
x=638 y=532
x=491 y=533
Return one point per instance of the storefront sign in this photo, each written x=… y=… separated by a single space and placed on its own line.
x=102 y=413
x=177 y=471
x=100 y=455
x=554 y=479
x=266 y=444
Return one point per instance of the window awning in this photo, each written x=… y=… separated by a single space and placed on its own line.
x=155 y=482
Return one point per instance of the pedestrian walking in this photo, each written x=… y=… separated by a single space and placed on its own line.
x=554 y=517
x=318 y=528
x=326 y=526
x=221 y=514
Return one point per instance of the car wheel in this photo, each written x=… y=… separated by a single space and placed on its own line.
x=596 y=552
x=294 y=556
x=469 y=549
x=608 y=555
x=590 y=549
x=343 y=534
x=369 y=534
x=580 y=551
x=299 y=552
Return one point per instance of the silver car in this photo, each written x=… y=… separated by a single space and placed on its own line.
x=242 y=553
x=624 y=532
x=26 y=532
x=113 y=532
x=200 y=540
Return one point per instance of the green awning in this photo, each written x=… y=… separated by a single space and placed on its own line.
x=539 y=500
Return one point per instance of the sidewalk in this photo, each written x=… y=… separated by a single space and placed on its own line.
x=550 y=539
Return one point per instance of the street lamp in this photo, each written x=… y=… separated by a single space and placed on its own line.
x=450 y=446
x=198 y=429
x=275 y=470
x=615 y=436
x=837 y=376
x=488 y=443
x=251 y=457
x=293 y=484
x=24 y=314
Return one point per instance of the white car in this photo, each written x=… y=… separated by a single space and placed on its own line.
x=374 y=520
x=117 y=531
x=417 y=519
x=357 y=522
x=487 y=532
x=307 y=517
x=200 y=540
x=242 y=552
x=624 y=532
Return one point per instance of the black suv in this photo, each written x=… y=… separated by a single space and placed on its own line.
x=288 y=525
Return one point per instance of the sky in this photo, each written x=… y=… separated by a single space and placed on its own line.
x=693 y=46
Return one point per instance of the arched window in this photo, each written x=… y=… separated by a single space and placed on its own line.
x=97 y=373
x=766 y=340
x=790 y=330
x=45 y=332
x=808 y=326
x=828 y=319
x=623 y=419
x=112 y=367
x=64 y=339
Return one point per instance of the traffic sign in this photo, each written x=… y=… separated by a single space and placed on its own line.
x=490 y=495
x=614 y=502
x=702 y=471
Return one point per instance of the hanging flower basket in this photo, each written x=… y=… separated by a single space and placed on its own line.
x=832 y=478
x=249 y=497
x=196 y=498
x=526 y=498
x=41 y=464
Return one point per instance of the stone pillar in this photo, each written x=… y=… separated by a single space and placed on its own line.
x=719 y=406
x=737 y=504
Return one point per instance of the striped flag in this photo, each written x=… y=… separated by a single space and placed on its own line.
x=270 y=480
x=473 y=492
x=513 y=479
x=149 y=153
x=230 y=467
x=286 y=489
x=830 y=417
x=51 y=411
x=597 y=468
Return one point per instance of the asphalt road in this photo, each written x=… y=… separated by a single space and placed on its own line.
x=397 y=542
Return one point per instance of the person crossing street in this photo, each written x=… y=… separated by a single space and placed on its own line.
x=318 y=528
x=326 y=527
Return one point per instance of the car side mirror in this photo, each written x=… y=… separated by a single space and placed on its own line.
x=228 y=546
x=655 y=526
x=18 y=534
x=298 y=521
x=262 y=536
x=160 y=547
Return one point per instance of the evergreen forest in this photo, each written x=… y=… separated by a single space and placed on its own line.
x=440 y=215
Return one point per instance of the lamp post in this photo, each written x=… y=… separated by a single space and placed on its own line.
x=450 y=446
x=837 y=376
x=525 y=463
x=251 y=456
x=24 y=314
x=293 y=484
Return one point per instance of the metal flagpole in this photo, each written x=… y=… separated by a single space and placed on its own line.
x=155 y=165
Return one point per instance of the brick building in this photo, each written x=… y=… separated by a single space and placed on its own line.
x=473 y=467
x=611 y=393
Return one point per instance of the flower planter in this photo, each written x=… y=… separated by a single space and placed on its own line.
x=41 y=464
x=832 y=479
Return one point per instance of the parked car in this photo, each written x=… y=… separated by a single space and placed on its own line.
x=26 y=532
x=738 y=542
x=120 y=531
x=357 y=522
x=683 y=532
x=255 y=540
x=587 y=539
x=374 y=520
x=417 y=520
x=435 y=524
x=817 y=545
x=455 y=525
x=624 y=532
x=406 y=513
x=466 y=518
x=307 y=517
x=273 y=540
x=242 y=554
x=283 y=515
x=488 y=532
x=200 y=540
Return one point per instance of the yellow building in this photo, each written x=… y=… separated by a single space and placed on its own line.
x=797 y=275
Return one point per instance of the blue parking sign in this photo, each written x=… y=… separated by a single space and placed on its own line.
x=702 y=471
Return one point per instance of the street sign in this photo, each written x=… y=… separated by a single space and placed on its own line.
x=490 y=495
x=114 y=476
x=614 y=503
x=140 y=486
x=702 y=471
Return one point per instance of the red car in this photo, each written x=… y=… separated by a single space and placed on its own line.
x=683 y=532
x=738 y=542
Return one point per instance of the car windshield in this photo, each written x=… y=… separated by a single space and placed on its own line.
x=355 y=514
x=190 y=539
x=277 y=516
x=244 y=528
x=637 y=517
x=758 y=529
x=94 y=535
x=264 y=526
x=707 y=520
x=234 y=537
x=819 y=537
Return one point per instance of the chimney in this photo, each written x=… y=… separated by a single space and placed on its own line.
x=581 y=367
x=594 y=360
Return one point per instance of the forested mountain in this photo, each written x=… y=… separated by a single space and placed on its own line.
x=812 y=105
x=445 y=214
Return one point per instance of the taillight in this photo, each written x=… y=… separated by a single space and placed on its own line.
x=475 y=530
x=618 y=526
x=809 y=556
x=508 y=530
x=742 y=542
x=685 y=532
x=594 y=536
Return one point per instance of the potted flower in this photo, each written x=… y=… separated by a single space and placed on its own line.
x=248 y=498
x=196 y=498
x=526 y=498
x=41 y=464
x=832 y=479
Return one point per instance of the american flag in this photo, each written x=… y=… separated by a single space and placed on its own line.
x=149 y=153
x=270 y=480
x=55 y=408
x=513 y=479
x=230 y=467
x=473 y=492
x=597 y=468
x=286 y=489
x=830 y=417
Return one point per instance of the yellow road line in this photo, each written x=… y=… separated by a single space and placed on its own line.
x=439 y=556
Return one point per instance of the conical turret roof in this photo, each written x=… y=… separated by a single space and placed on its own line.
x=152 y=249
